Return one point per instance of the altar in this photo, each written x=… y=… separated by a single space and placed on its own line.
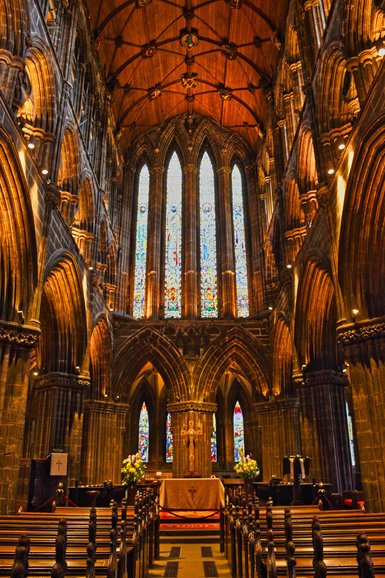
x=192 y=494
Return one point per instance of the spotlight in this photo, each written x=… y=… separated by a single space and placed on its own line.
x=380 y=46
x=44 y=172
x=331 y=171
x=341 y=146
x=31 y=145
x=35 y=372
x=289 y=266
x=355 y=311
x=270 y=308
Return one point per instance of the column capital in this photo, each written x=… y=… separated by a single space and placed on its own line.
x=186 y=406
x=361 y=332
x=19 y=335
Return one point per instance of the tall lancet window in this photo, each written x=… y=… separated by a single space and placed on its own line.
x=169 y=444
x=214 y=451
x=239 y=244
x=141 y=243
x=144 y=432
x=239 y=432
x=208 y=241
x=173 y=270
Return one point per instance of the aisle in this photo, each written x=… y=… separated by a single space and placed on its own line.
x=196 y=556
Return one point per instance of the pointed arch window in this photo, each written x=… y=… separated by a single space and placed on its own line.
x=239 y=243
x=239 y=432
x=208 y=241
x=173 y=270
x=144 y=432
x=169 y=440
x=214 y=449
x=141 y=243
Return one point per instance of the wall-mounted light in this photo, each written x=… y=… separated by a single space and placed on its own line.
x=380 y=47
x=270 y=308
x=35 y=372
x=289 y=266
x=44 y=172
x=31 y=143
x=331 y=171
x=355 y=311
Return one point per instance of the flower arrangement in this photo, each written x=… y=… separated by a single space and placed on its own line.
x=133 y=469
x=247 y=468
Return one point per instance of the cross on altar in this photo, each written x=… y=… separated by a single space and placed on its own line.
x=191 y=435
x=59 y=463
x=192 y=491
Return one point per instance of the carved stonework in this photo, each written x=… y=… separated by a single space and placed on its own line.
x=16 y=335
x=358 y=333
x=62 y=380
x=185 y=406
x=325 y=376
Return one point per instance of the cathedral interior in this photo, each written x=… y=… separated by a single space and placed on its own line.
x=192 y=238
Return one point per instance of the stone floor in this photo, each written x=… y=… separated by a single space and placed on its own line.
x=196 y=556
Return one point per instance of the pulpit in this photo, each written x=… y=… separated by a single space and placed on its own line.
x=298 y=469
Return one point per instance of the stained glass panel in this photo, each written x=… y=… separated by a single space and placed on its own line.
x=141 y=243
x=350 y=434
x=239 y=245
x=208 y=243
x=169 y=444
x=173 y=239
x=144 y=432
x=214 y=454
x=239 y=434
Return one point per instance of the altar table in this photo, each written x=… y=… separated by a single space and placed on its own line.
x=192 y=494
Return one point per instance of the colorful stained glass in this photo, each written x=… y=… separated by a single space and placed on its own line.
x=144 y=432
x=351 y=435
x=239 y=432
x=239 y=244
x=214 y=453
x=173 y=268
x=141 y=243
x=169 y=444
x=208 y=241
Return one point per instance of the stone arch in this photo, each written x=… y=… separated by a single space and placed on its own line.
x=40 y=70
x=13 y=26
x=84 y=216
x=18 y=252
x=306 y=164
x=234 y=348
x=315 y=327
x=358 y=25
x=68 y=176
x=362 y=238
x=100 y=359
x=145 y=346
x=282 y=358
x=337 y=102
x=63 y=343
x=293 y=211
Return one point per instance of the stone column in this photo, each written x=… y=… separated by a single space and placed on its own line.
x=228 y=300
x=190 y=299
x=192 y=424
x=152 y=303
x=57 y=412
x=104 y=449
x=364 y=347
x=278 y=422
x=324 y=427
x=16 y=342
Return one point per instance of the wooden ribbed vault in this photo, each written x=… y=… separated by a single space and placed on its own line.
x=161 y=58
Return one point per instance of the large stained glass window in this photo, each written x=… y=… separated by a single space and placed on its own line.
x=169 y=444
x=208 y=243
x=214 y=452
x=172 y=305
x=239 y=244
x=144 y=432
x=141 y=243
x=239 y=433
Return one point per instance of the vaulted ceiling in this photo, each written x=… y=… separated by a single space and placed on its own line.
x=166 y=57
